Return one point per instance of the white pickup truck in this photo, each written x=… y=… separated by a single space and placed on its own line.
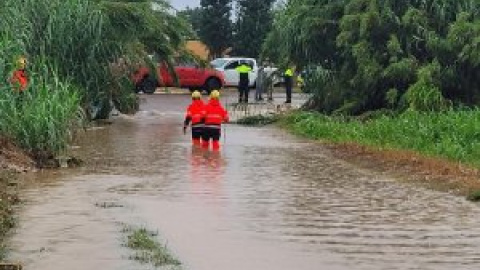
x=228 y=65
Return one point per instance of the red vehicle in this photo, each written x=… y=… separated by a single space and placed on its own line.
x=189 y=76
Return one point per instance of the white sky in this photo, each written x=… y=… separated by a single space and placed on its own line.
x=181 y=4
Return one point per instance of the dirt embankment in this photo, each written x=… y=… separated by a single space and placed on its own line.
x=435 y=173
x=8 y=198
x=13 y=161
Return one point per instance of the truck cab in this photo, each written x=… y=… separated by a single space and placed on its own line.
x=228 y=66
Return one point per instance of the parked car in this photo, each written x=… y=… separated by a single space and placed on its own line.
x=228 y=66
x=189 y=76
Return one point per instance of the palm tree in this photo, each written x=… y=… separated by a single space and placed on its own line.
x=151 y=24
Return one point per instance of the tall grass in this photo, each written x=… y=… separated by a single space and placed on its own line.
x=454 y=135
x=71 y=46
x=82 y=38
x=69 y=50
x=72 y=35
x=41 y=119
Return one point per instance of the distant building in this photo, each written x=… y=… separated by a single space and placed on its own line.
x=199 y=49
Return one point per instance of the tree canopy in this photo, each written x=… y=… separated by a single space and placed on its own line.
x=254 y=19
x=374 y=54
x=216 y=25
x=194 y=17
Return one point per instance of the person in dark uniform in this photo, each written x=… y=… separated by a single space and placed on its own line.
x=288 y=75
x=243 y=84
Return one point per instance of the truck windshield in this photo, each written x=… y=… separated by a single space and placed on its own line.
x=218 y=63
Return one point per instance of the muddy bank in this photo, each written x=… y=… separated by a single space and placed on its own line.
x=13 y=161
x=410 y=166
x=435 y=173
x=8 y=198
x=13 y=158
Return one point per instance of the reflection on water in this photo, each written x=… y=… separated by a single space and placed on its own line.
x=206 y=173
x=265 y=201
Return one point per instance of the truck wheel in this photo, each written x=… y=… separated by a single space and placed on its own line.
x=138 y=88
x=212 y=84
x=148 y=85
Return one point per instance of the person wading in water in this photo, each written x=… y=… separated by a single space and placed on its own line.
x=194 y=116
x=214 y=116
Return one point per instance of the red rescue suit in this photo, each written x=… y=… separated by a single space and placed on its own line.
x=195 y=115
x=215 y=115
x=19 y=79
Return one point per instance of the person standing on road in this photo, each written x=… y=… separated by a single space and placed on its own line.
x=269 y=84
x=214 y=116
x=243 y=84
x=194 y=116
x=288 y=75
x=260 y=85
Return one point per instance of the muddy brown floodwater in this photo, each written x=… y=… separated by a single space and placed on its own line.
x=266 y=201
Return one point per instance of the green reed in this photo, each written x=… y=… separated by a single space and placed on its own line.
x=454 y=135
x=69 y=52
x=44 y=117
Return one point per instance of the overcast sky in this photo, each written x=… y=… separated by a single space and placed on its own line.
x=181 y=4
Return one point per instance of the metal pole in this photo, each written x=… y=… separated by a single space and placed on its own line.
x=224 y=125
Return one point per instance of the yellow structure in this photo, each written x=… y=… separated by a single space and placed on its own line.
x=200 y=50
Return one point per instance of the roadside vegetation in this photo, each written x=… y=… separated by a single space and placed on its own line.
x=437 y=150
x=148 y=250
x=80 y=56
x=453 y=135
x=398 y=75
x=78 y=63
x=366 y=55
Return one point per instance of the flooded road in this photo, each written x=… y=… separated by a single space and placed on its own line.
x=266 y=201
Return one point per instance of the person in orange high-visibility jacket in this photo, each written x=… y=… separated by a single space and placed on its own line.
x=19 y=78
x=194 y=116
x=214 y=116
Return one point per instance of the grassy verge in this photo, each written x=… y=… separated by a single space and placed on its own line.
x=451 y=138
x=148 y=250
x=454 y=135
